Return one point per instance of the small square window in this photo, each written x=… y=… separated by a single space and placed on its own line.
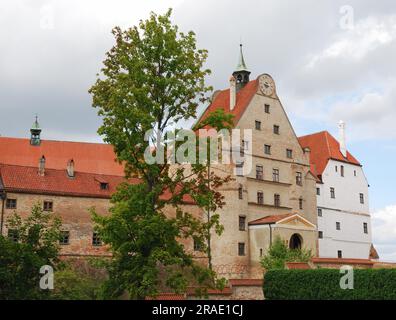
x=275 y=175
x=242 y=223
x=299 y=178
x=300 y=203
x=240 y=193
x=11 y=204
x=65 y=238
x=13 y=235
x=318 y=191
x=241 y=248
x=338 y=225
x=336 y=168
x=361 y=196
x=276 y=129
x=339 y=254
x=365 y=227
x=259 y=172
x=320 y=234
x=354 y=173
x=197 y=245
x=332 y=193
x=342 y=171
x=104 y=186
x=48 y=206
x=267 y=108
x=96 y=241
x=267 y=149
x=276 y=200
x=289 y=153
x=320 y=212
x=260 y=197
x=258 y=125
x=239 y=169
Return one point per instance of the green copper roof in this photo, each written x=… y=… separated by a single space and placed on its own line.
x=36 y=124
x=241 y=63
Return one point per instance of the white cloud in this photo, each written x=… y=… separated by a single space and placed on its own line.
x=384 y=232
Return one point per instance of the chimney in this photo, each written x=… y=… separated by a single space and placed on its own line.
x=341 y=133
x=41 y=171
x=232 y=93
x=70 y=168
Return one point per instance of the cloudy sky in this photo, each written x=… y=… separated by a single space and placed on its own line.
x=331 y=60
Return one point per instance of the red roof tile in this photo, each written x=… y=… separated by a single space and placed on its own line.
x=270 y=219
x=222 y=101
x=98 y=158
x=323 y=148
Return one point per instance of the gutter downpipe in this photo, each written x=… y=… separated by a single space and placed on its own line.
x=269 y=225
x=3 y=196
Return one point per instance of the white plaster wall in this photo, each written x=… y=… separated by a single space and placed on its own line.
x=346 y=209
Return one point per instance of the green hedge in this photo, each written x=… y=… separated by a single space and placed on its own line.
x=324 y=284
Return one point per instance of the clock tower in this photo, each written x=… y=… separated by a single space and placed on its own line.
x=241 y=74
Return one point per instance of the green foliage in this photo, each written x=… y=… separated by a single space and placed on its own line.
x=152 y=78
x=324 y=284
x=20 y=262
x=279 y=254
x=75 y=283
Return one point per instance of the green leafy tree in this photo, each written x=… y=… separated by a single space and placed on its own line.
x=20 y=262
x=152 y=78
x=278 y=254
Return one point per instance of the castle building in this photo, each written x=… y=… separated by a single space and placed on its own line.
x=344 y=228
x=277 y=196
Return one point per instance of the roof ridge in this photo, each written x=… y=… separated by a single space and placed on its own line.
x=50 y=140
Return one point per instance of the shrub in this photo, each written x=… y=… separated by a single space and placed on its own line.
x=279 y=254
x=324 y=284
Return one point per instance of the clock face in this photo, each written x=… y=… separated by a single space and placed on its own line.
x=267 y=85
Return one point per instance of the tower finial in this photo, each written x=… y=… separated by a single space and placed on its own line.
x=241 y=62
x=241 y=73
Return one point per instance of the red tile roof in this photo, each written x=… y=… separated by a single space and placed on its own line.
x=98 y=158
x=56 y=182
x=323 y=148
x=270 y=219
x=168 y=296
x=222 y=101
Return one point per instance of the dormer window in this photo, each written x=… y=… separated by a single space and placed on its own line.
x=104 y=186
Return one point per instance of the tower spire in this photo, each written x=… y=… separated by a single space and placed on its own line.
x=241 y=73
x=35 y=132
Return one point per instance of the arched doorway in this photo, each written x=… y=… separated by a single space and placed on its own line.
x=295 y=241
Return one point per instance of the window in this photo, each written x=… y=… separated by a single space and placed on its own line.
x=361 y=196
x=245 y=145
x=342 y=171
x=320 y=212
x=258 y=125
x=104 y=186
x=339 y=254
x=240 y=193
x=197 y=245
x=289 y=153
x=354 y=173
x=299 y=178
x=65 y=238
x=300 y=203
x=267 y=149
x=48 y=206
x=267 y=108
x=276 y=129
x=275 y=175
x=276 y=200
x=241 y=248
x=239 y=169
x=260 y=197
x=320 y=234
x=13 y=235
x=96 y=241
x=336 y=169
x=242 y=223
x=261 y=252
x=318 y=191
x=332 y=193
x=11 y=204
x=259 y=172
x=338 y=225
x=365 y=228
